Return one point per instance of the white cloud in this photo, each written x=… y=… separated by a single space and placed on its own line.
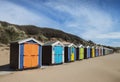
x=88 y=22
x=16 y=14
x=84 y=20
x=115 y=44
x=111 y=35
x=90 y=19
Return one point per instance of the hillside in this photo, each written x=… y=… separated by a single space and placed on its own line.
x=11 y=32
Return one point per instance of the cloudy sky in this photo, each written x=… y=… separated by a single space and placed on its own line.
x=96 y=20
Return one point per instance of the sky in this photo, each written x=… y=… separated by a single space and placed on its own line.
x=96 y=20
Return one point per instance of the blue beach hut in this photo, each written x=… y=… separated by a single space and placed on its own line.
x=87 y=52
x=96 y=52
x=70 y=52
x=53 y=53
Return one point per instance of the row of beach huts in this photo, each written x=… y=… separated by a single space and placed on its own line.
x=30 y=53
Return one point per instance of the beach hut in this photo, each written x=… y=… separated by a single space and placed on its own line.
x=102 y=50
x=25 y=54
x=70 y=52
x=92 y=51
x=99 y=50
x=53 y=53
x=87 y=52
x=80 y=52
x=105 y=51
x=96 y=51
x=109 y=51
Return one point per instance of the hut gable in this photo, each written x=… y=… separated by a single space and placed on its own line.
x=53 y=43
x=70 y=45
x=92 y=47
x=79 y=46
x=87 y=46
x=96 y=47
x=32 y=40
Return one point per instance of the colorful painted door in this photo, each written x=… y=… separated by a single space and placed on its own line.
x=88 y=52
x=96 y=52
x=58 y=54
x=81 y=54
x=99 y=52
x=93 y=52
x=72 y=53
x=30 y=55
x=55 y=55
x=34 y=55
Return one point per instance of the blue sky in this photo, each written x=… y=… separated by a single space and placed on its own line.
x=96 y=20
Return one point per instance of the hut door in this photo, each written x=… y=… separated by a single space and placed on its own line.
x=30 y=55
x=93 y=52
x=58 y=54
x=81 y=56
x=98 y=52
x=72 y=53
x=88 y=52
x=34 y=55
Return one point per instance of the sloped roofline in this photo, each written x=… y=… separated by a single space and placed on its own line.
x=87 y=46
x=28 y=39
x=92 y=46
x=54 y=43
x=69 y=45
x=79 y=46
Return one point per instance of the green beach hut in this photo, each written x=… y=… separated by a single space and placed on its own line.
x=80 y=52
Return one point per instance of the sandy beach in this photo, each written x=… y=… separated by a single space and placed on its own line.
x=99 y=69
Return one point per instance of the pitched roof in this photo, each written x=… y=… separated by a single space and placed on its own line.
x=53 y=43
x=69 y=45
x=87 y=46
x=80 y=45
x=28 y=39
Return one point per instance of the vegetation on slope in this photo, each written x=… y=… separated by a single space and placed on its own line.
x=13 y=32
x=10 y=33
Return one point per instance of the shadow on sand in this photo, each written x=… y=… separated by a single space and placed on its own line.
x=6 y=67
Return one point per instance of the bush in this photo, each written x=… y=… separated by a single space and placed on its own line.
x=42 y=38
x=10 y=33
x=4 y=38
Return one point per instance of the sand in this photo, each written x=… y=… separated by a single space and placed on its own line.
x=99 y=69
x=4 y=55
